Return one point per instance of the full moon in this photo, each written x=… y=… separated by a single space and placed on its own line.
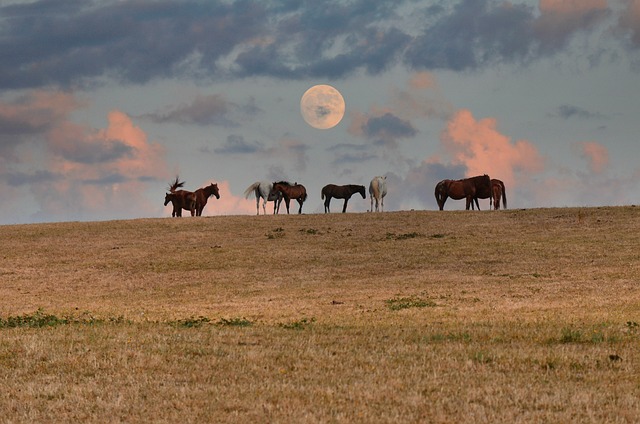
x=322 y=106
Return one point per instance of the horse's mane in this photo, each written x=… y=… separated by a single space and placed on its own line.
x=176 y=184
x=287 y=183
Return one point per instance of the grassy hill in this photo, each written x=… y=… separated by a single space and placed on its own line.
x=418 y=316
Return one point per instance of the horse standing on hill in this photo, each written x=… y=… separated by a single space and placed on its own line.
x=377 y=191
x=180 y=199
x=340 y=192
x=264 y=190
x=202 y=196
x=467 y=188
x=497 y=191
x=295 y=191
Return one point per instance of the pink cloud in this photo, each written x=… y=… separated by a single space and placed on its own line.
x=596 y=154
x=560 y=19
x=228 y=204
x=479 y=146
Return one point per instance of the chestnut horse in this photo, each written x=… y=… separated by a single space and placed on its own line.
x=202 y=196
x=295 y=191
x=180 y=199
x=498 y=190
x=340 y=192
x=467 y=188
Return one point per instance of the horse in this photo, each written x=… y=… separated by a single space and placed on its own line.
x=202 y=196
x=180 y=199
x=295 y=191
x=497 y=190
x=467 y=188
x=340 y=192
x=377 y=191
x=264 y=190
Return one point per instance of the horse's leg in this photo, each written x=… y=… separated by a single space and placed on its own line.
x=477 y=204
x=382 y=204
x=327 y=200
x=286 y=202
x=301 y=202
x=344 y=208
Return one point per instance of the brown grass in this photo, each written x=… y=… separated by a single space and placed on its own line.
x=509 y=316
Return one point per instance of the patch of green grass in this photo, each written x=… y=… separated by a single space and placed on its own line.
x=234 y=322
x=399 y=303
x=36 y=320
x=191 y=322
x=406 y=236
x=298 y=325
x=570 y=335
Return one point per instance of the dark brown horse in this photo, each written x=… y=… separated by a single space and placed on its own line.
x=340 y=192
x=497 y=191
x=180 y=199
x=295 y=191
x=467 y=188
x=202 y=196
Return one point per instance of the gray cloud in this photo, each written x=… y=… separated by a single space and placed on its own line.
x=71 y=43
x=388 y=126
x=570 y=111
x=236 y=144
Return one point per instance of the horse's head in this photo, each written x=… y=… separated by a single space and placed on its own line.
x=362 y=191
x=214 y=190
x=167 y=198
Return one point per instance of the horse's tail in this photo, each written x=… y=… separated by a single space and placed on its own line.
x=176 y=184
x=252 y=188
x=304 y=196
x=504 y=196
x=322 y=194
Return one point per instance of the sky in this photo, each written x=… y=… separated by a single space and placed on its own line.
x=103 y=103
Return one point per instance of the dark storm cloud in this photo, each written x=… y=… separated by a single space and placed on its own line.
x=70 y=43
x=236 y=144
x=420 y=182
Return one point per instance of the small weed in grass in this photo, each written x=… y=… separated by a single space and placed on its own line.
x=437 y=236
x=570 y=335
x=309 y=231
x=298 y=325
x=235 y=322
x=399 y=303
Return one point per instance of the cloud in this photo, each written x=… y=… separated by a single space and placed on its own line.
x=73 y=171
x=387 y=128
x=570 y=111
x=214 y=109
x=596 y=155
x=560 y=19
x=236 y=144
x=228 y=204
x=481 y=149
x=629 y=22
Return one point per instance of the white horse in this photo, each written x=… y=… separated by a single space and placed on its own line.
x=377 y=191
x=264 y=190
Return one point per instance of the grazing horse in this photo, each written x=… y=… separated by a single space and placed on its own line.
x=180 y=199
x=264 y=190
x=467 y=188
x=377 y=191
x=202 y=196
x=295 y=191
x=498 y=190
x=340 y=192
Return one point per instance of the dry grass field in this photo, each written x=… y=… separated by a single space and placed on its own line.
x=422 y=316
